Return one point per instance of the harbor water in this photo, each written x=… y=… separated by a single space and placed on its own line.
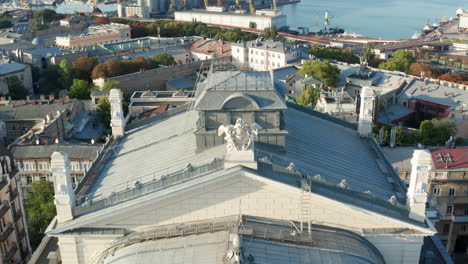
x=372 y=18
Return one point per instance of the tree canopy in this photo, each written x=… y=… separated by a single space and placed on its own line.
x=109 y=85
x=83 y=67
x=419 y=69
x=65 y=74
x=329 y=74
x=401 y=61
x=41 y=210
x=81 y=89
x=16 y=88
x=309 y=97
x=5 y=24
x=333 y=53
x=164 y=59
x=103 y=111
x=111 y=68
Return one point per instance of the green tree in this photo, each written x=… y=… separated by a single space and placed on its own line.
x=65 y=74
x=164 y=59
x=309 y=97
x=5 y=24
x=401 y=61
x=83 y=67
x=52 y=77
x=16 y=88
x=426 y=132
x=367 y=53
x=80 y=89
x=41 y=210
x=109 y=85
x=333 y=53
x=37 y=24
x=103 y=111
x=329 y=74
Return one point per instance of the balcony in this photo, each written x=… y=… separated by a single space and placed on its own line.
x=459 y=219
x=3 y=182
x=10 y=253
x=16 y=215
x=5 y=206
x=13 y=193
x=451 y=199
x=6 y=232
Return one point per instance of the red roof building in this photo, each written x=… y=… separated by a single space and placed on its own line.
x=450 y=158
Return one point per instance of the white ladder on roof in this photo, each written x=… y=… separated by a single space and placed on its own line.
x=306 y=204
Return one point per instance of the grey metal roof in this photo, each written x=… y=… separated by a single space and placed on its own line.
x=33 y=112
x=438 y=94
x=261 y=241
x=314 y=145
x=220 y=85
x=400 y=157
x=45 y=52
x=74 y=151
x=270 y=45
x=394 y=112
x=6 y=68
x=318 y=146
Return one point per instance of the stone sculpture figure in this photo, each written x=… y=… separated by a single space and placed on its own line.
x=240 y=136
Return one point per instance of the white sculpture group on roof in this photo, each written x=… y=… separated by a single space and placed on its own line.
x=239 y=137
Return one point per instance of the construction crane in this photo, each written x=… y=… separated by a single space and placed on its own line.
x=206 y=3
x=252 y=8
x=274 y=5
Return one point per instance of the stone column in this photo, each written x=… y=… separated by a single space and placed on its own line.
x=419 y=182
x=366 y=112
x=64 y=193
x=117 y=119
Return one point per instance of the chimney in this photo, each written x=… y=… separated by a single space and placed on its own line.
x=3 y=98
x=66 y=97
x=42 y=97
x=28 y=98
x=51 y=98
x=61 y=101
x=366 y=112
x=12 y=105
x=419 y=182
x=64 y=198
x=117 y=118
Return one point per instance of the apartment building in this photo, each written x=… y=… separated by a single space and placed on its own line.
x=96 y=35
x=449 y=192
x=265 y=55
x=14 y=241
x=10 y=69
x=33 y=162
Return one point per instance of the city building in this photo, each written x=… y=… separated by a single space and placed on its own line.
x=43 y=57
x=14 y=241
x=48 y=116
x=446 y=184
x=425 y=100
x=204 y=49
x=146 y=47
x=96 y=35
x=191 y=186
x=463 y=22
x=257 y=21
x=22 y=72
x=141 y=9
x=33 y=162
x=265 y=55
